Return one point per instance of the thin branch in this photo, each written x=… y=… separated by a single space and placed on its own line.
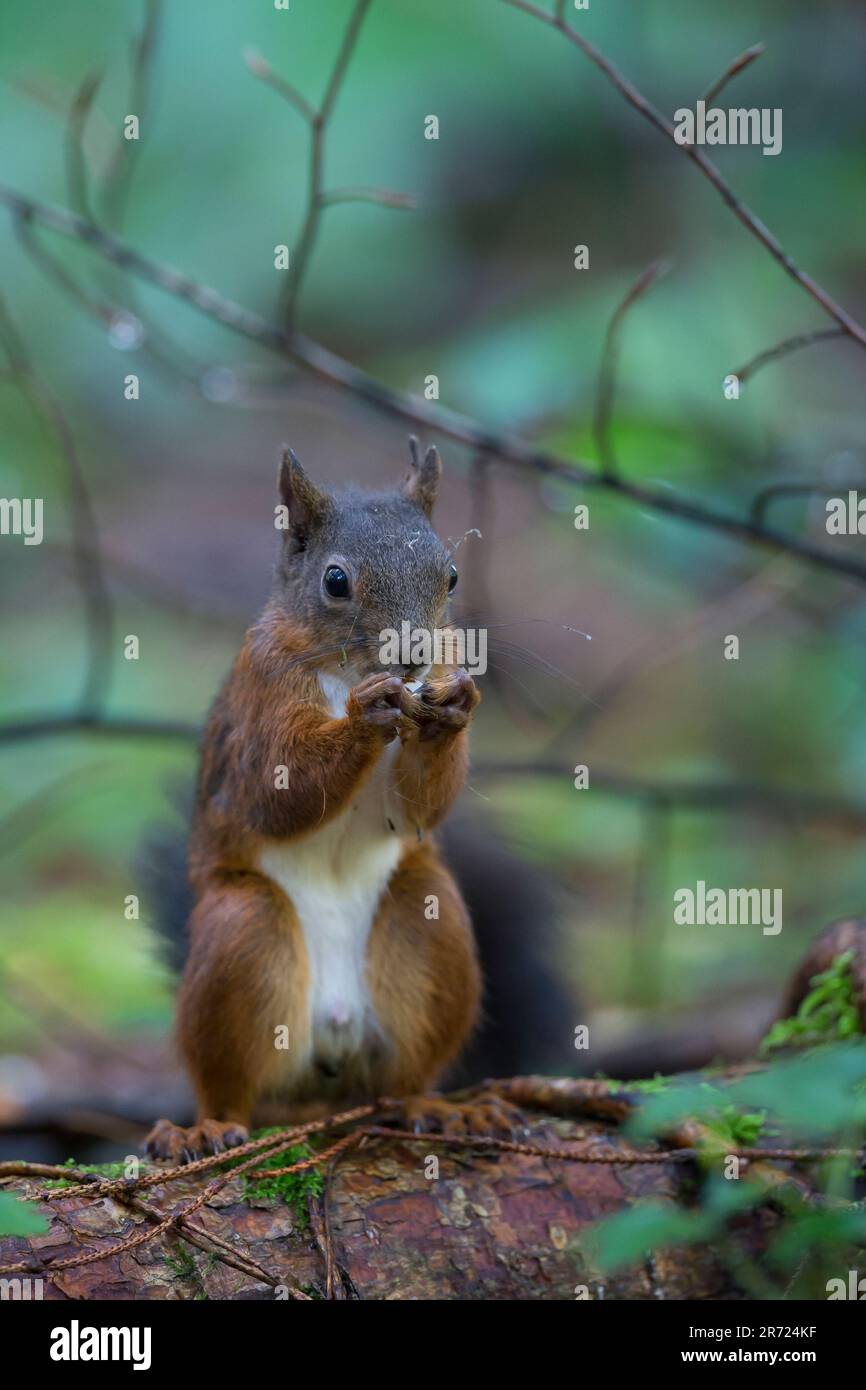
x=75 y=161
x=758 y=799
x=347 y=48
x=609 y=359
x=151 y=586
x=126 y=325
x=750 y=599
x=318 y=126
x=335 y=370
x=117 y=184
x=744 y=214
x=385 y=197
x=88 y=561
x=31 y=814
x=109 y=726
x=731 y=70
x=208 y=1242
x=807 y=488
x=799 y=340
x=53 y=269
x=261 y=68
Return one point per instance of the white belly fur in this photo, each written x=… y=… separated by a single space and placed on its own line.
x=335 y=877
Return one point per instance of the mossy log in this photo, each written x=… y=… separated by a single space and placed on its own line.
x=408 y=1218
x=491 y=1225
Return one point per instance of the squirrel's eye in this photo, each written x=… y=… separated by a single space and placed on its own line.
x=452 y=578
x=336 y=582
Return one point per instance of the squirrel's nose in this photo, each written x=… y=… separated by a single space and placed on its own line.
x=408 y=672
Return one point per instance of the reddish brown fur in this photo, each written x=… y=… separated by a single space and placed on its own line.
x=247 y=970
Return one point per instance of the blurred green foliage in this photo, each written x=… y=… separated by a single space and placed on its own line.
x=818 y=1095
x=18 y=1218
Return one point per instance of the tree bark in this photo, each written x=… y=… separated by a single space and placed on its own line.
x=491 y=1225
x=405 y=1218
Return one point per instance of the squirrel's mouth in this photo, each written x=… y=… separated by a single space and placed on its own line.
x=411 y=676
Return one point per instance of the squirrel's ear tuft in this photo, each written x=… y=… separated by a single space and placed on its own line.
x=422 y=484
x=305 y=504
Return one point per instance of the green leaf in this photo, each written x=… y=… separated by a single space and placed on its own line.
x=814 y=1093
x=630 y=1235
x=817 y=1093
x=811 y=1229
x=664 y=1110
x=728 y=1196
x=19 y=1218
x=829 y=1011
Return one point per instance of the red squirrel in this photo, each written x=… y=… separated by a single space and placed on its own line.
x=331 y=957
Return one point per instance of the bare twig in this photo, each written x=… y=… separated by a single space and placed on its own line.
x=724 y=797
x=732 y=69
x=98 y=309
x=807 y=488
x=318 y=122
x=385 y=197
x=609 y=359
x=94 y=589
x=259 y=67
x=759 y=799
x=329 y=367
x=76 y=164
x=773 y=354
x=20 y=1168
x=127 y=324
x=155 y=588
x=743 y=213
x=31 y=814
x=116 y=186
x=746 y=601
x=106 y=726
x=212 y=1244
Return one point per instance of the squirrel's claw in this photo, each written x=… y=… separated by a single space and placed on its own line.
x=172 y=1142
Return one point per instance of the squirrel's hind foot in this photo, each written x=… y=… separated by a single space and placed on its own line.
x=488 y=1116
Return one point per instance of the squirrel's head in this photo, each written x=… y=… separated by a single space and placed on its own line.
x=357 y=565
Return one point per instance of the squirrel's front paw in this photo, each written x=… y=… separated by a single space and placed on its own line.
x=379 y=701
x=184 y=1145
x=446 y=706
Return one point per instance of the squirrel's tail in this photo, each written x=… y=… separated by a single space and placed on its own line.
x=166 y=891
x=528 y=1016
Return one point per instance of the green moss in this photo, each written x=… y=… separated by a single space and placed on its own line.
x=182 y=1263
x=105 y=1170
x=292 y=1188
x=737 y=1129
x=829 y=1012
x=650 y=1086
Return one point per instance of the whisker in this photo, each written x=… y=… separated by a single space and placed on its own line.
x=513 y=622
x=531 y=697
x=519 y=653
